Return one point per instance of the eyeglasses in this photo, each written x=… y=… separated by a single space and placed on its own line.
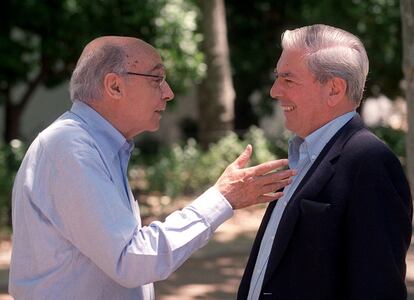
x=160 y=78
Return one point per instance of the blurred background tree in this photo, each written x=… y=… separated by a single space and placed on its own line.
x=216 y=91
x=41 y=41
x=407 y=17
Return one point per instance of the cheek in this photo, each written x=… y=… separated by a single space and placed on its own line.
x=306 y=109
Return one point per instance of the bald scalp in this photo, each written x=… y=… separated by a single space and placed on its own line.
x=130 y=46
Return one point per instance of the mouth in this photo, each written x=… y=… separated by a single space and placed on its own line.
x=288 y=108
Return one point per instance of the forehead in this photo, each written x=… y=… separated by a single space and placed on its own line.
x=292 y=62
x=144 y=58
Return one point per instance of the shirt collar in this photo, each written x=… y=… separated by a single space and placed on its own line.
x=313 y=144
x=106 y=135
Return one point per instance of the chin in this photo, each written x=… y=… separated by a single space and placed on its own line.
x=154 y=128
x=288 y=127
x=151 y=129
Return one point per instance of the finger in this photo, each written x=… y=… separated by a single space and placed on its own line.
x=269 y=188
x=266 y=167
x=275 y=176
x=244 y=158
x=269 y=197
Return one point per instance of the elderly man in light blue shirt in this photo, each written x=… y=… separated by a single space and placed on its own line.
x=77 y=232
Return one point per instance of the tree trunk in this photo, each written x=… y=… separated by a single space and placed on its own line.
x=407 y=21
x=12 y=131
x=12 y=121
x=14 y=110
x=216 y=92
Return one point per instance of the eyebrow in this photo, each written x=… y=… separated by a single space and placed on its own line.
x=284 y=74
x=158 y=66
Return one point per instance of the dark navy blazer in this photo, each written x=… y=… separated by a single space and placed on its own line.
x=346 y=229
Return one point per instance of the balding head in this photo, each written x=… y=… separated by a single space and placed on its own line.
x=103 y=55
x=127 y=44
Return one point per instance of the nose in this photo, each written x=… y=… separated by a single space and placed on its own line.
x=167 y=93
x=275 y=91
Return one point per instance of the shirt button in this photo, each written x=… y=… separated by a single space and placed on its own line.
x=313 y=157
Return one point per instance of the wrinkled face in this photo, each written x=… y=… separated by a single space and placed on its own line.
x=301 y=96
x=145 y=97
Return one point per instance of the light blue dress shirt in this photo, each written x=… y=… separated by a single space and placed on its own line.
x=302 y=154
x=77 y=230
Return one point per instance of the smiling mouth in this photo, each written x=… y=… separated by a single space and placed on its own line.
x=288 y=108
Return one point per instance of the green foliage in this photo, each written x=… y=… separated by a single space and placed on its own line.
x=395 y=139
x=367 y=18
x=186 y=169
x=11 y=156
x=178 y=41
x=263 y=149
x=173 y=172
x=40 y=42
x=51 y=35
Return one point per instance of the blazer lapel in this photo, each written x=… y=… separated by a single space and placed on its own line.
x=315 y=179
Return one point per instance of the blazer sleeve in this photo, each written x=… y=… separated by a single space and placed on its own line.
x=378 y=229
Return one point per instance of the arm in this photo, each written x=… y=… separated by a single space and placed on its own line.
x=378 y=230
x=88 y=211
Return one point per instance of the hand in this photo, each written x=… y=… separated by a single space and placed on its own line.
x=244 y=187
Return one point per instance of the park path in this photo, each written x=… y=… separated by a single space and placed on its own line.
x=213 y=272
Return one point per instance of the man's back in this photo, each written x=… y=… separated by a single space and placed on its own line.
x=45 y=261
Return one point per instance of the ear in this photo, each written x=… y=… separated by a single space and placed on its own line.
x=113 y=85
x=337 y=90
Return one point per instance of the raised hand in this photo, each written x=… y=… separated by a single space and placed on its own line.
x=244 y=187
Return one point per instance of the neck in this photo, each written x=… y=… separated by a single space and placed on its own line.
x=107 y=110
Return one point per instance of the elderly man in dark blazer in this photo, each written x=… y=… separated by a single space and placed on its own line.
x=343 y=227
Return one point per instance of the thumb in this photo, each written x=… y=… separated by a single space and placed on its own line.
x=244 y=158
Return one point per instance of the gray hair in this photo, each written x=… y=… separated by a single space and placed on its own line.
x=331 y=52
x=86 y=82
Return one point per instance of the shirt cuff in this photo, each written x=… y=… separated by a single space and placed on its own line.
x=214 y=207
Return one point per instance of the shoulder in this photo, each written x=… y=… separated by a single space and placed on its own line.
x=366 y=144
x=366 y=149
x=65 y=137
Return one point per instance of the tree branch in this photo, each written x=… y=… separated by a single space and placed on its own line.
x=31 y=88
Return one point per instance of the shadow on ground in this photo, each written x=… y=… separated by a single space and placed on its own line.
x=214 y=272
